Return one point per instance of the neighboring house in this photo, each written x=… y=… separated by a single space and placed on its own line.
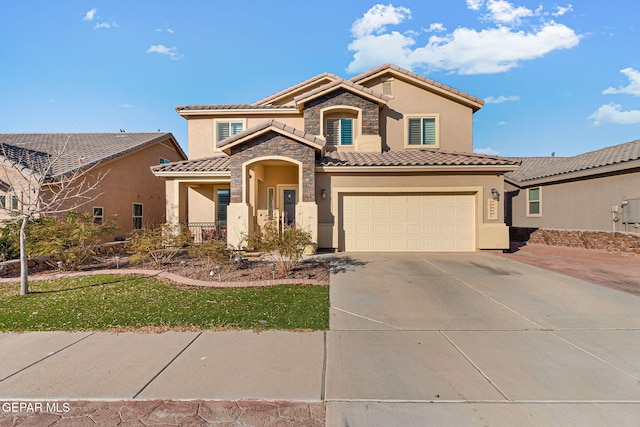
x=599 y=190
x=128 y=193
x=379 y=162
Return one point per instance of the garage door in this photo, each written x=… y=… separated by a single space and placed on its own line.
x=411 y=222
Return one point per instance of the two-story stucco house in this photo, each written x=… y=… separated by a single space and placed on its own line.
x=382 y=161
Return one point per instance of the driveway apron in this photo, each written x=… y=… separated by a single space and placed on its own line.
x=476 y=339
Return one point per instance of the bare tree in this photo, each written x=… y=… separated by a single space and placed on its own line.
x=39 y=183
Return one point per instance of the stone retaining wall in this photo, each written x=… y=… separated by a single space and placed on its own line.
x=11 y=268
x=602 y=240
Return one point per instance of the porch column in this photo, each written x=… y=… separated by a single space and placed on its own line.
x=238 y=220
x=175 y=204
x=307 y=218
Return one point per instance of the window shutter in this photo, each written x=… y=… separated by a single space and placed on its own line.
x=414 y=132
x=429 y=131
x=332 y=131
x=346 y=131
x=224 y=198
x=223 y=130
x=236 y=128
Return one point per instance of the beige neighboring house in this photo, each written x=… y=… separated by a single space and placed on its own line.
x=382 y=161
x=129 y=192
x=599 y=190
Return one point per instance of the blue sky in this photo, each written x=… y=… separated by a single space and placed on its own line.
x=557 y=77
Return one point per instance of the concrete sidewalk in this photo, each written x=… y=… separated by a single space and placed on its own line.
x=270 y=376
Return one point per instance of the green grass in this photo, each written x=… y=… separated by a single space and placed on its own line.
x=110 y=302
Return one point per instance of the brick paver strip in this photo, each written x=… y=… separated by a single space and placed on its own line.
x=172 y=277
x=167 y=412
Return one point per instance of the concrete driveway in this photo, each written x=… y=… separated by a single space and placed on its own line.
x=476 y=339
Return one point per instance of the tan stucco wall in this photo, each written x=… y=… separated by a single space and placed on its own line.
x=490 y=234
x=455 y=119
x=201 y=130
x=577 y=205
x=129 y=180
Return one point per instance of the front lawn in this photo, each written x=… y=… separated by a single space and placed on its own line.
x=120 y=303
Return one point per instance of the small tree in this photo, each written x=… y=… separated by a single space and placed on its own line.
x=283 y=247
x=160 y=244
x=42 y=184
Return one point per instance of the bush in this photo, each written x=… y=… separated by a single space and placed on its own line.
x=283 y=247
x=9 y=241
x=210 y=252
x=160 y=244
x=71 y=239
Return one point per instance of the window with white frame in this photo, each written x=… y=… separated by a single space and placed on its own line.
x=164 y=161
x=3 y=201
x=98 y=215
x=225 y=129
x=137 y=216
x=14 y=203
x=339 y=131
x=422 y=131
x=534 y=202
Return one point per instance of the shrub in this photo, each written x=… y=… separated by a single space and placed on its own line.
x=71 y=239
x=159 y=244
x=283 y=247
x=211 y=252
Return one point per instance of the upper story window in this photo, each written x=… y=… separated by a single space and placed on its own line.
x=387 y=87
x=164 y=161
x=339 y=131
x=422 y=131
x=225 y=129
x=534 y=200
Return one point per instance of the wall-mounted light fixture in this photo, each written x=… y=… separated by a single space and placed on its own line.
x=323 y=193
x=494 y=194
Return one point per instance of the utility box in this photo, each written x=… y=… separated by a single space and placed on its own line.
x=631 y=212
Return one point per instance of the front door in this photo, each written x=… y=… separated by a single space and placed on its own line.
x=289 y=206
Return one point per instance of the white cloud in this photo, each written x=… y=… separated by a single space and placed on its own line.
x=562 y=10
x=502 y=123
x=503 y=12
x=436 y=28
x=465 y=50
x=613 y=114
x=475 y=4
x=125 y=106
x=500 y=99
x=106 y=25
x=377 y=18
x=488 y=151
x=171 y=52
x=89 y=16
x=634 y=83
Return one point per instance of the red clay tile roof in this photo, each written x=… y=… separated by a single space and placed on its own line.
x=547 y=167
x=83 y=149
x=215 y=107
x=276 y=124
x=374 y=71
x=218 y=163
x=412 y=158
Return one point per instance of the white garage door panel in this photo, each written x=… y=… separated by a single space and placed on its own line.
x=412 y=222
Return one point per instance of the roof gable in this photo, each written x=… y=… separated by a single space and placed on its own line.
x=420 y=81
x=341 y=84
x=268 y=126
x=289 y=93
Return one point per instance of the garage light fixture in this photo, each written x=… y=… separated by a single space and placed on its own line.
x=494 y=194
x=323 y=193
